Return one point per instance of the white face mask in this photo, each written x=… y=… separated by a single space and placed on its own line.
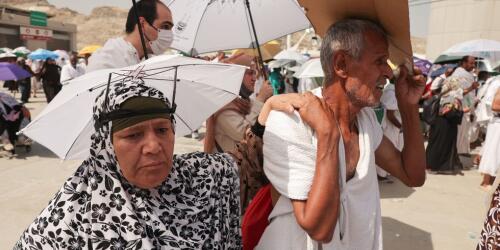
x=163 y=42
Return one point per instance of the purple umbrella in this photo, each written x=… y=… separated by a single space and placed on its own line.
x=11 y=71
x=422 y=64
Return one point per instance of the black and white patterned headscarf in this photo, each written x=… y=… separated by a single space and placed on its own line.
x=197 y=207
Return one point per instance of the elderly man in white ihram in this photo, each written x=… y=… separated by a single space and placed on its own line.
x=321 y=159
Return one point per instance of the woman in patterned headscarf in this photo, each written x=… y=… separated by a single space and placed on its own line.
x=133 y=193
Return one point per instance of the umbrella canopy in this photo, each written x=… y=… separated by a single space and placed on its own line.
x=294 y=68
x=61 y=54
x=200 y=91
x=21 y=51
x=42 y=54
x=439 y=71
x=487 y=49
x=7 y=55
x=205 y=26
x=392 y=15
x=444 y=59
x=268 y=50
x=88 y=49
x=311 y=68
x=11 y=71
x=291 y=55
x=278 y=63
x=422 y=64
x=5 y=50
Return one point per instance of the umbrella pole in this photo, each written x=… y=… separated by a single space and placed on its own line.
x=174 y=106
x=261 y=62
x=106 y=99
x=141 y=33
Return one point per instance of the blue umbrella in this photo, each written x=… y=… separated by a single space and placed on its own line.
x=11 y=71
x=42 y=54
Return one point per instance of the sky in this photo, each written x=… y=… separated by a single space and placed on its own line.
x=419 y=11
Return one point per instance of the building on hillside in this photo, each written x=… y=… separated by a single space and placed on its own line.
x=456 y=21
x=34 y=30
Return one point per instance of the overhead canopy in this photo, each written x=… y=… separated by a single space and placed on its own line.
x=392 y=15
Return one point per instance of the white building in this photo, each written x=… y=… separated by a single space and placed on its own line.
x=17 y=28
x=455 y=21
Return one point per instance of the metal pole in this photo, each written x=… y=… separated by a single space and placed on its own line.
x=261 y=62
x=140 y=29
x=174 y=106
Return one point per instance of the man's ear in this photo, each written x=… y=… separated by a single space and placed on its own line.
x=142 y=20
x=340 y=61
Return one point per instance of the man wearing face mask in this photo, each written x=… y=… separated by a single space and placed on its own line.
x=155 y=19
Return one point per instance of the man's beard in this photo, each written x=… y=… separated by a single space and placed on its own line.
x=361 y=102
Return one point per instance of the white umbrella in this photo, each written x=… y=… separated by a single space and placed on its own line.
x=206 y=25
x=487 y=49
x=66 y=124
x=291 y=55
x=278 y=63
x=294 y=68
x=7 y=55
x=21 y=50
x=311 y=68
x=5 y=50
x=62 y=54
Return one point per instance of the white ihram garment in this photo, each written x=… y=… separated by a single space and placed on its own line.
x=68 y=72
x=116 y=53
x=490 y=160
x=289 y=162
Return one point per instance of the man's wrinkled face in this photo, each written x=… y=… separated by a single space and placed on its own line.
x=145 y=152
x=367 y=76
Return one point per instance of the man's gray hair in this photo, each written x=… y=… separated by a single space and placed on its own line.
x=346 y=35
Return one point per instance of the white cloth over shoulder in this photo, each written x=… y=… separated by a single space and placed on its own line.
x=68 y=72
x=289 y=163
x=116 y=53
x=308 y=84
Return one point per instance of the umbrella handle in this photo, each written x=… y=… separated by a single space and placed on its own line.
x=261 y=62
x=141 y=33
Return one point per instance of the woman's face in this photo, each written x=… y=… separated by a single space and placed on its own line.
x=145 y=152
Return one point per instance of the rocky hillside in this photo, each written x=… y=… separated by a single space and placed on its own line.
x=106 y=22
x=102 y=23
